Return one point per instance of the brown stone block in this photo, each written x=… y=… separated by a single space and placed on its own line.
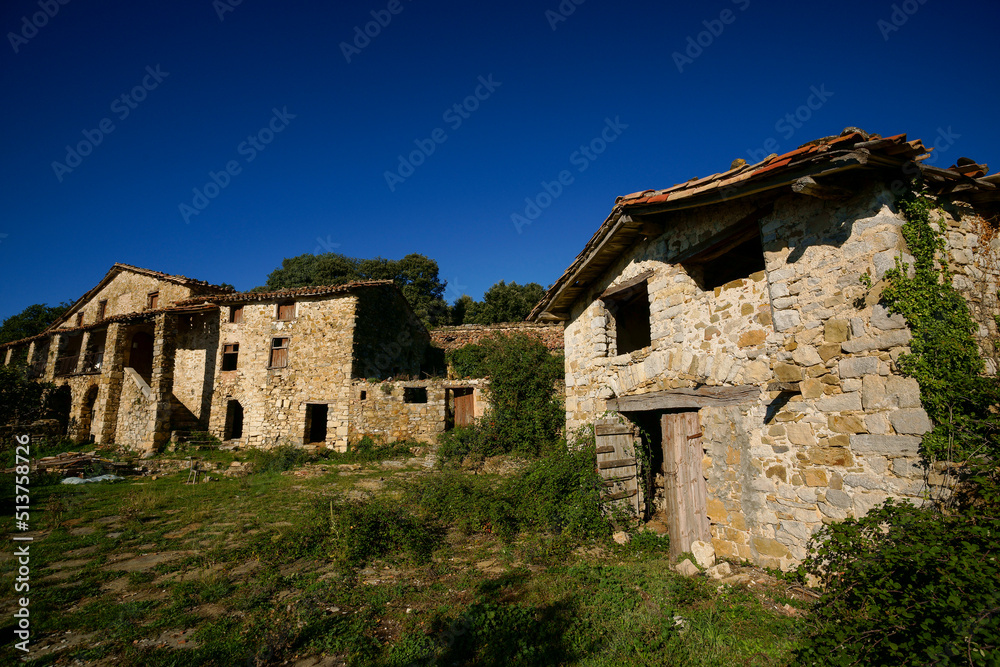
x=831 y=456
x=752 y=338
x=814 y=477
x=746 y=309
x=787 y=372
x=764 y=318
x=812 y=388
x=724 y=548
x=846 y=424
x=717 y=511
x=835 y=331
x=776 y=471
x=828 y=351
x=768 y=547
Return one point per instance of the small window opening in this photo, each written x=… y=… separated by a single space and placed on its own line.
x=279 y=353
x=236 y=314
x=230 y=356
x=735 y=257
x=316 y=423
x=632 y=321
x=286 y=311
x=364 y=395
x=414 y=394
x=102 y=309
x=234 y=420
x=152 y=300
x=79 y=319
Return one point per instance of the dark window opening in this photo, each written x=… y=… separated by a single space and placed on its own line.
x=632 y=322
x=102 y=309
x=279 y=353
x=236 y=314
x=733 y=258
x=230 y=356
x=364 y=395
x=414 y=394
x=286 y=311
x=234 y=420
x=152 y=300
x=316 y=423
x=79 y=319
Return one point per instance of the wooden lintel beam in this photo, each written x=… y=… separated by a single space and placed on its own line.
x=685 y=398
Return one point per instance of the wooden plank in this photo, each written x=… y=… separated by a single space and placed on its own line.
x=617 y=463
x=620 y=495
x=685 y=399
x=613 y=429
x=605 y=449
x=619 y=290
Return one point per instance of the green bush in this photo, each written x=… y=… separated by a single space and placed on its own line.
x=363 y=530
x=23 y=401
x=906 y=586
x=524 y=415
x=559 y=494
x=468 y=361
x=367 y=450
x=279 y=459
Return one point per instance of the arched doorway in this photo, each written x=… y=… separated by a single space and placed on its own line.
x=141 y=355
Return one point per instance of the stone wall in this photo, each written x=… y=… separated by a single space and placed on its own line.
x=197 y=346
x=274 y=400
x=380 y=410
x=837 y=428
x=452 y=338
x=136 y=414
x=127 y=293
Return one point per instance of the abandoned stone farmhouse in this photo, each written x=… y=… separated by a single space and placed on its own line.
x=149 y=356
x=720 y=326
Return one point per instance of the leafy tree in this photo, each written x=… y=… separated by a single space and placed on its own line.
x=23 y=401
x=416 y=276
x=460 y=308
x=31 y=321
x=504 y=302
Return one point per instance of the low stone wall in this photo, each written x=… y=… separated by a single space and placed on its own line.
x=380 y=409
x=452 y=338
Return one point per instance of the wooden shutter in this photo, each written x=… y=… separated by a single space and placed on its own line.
x=684 y=482
x=236 y=314
x=286 y=311
x=617 y=465
x=279 y=353
x=153 y=300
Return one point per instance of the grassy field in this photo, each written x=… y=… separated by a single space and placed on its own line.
x=335 y=563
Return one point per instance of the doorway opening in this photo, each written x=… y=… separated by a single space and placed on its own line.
x=316 y=414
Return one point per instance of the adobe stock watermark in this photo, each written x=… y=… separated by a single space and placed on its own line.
x=249 y=150
x=713 y=30
x=223 y=7
x=324 y=245
x=2 y=237
x=900 y=14
x=562 y=12
x=454 y=116
x=122 y=106
x=581 y=158
x=37 y=21
x=792 y=121
x=944 y=140
x=372 y=29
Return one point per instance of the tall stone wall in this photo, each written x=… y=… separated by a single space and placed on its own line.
x=136 y=424
x=380 y=410
x=195 y=357
x=127 y=293
x=452 y=338
x=844 y=434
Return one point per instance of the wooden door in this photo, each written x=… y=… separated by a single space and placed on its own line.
x=616 y=462
x=684 y=482
x=465 y=406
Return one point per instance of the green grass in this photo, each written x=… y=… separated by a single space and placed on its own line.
x=268 y=568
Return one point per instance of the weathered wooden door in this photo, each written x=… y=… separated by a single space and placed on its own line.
x=616 y=462
x=684 y=482
x=465 y=406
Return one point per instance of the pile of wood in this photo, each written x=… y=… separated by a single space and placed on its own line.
x=76 y=464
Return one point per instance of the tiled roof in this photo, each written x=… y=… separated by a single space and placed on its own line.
x=316 y=290
x=852 y=149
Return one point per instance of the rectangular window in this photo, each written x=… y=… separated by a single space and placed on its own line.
x=628 y=306
x=152 y=300
x=236 y=314
x=279 y=353
x=102 y=309
x=414 y=394
x=230 y=356
x=733 y=255
x=286 y=311
x=79 y=319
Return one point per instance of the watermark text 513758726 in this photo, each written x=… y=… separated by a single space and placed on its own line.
x=22 y=550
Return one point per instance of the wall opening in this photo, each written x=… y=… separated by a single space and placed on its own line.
x=230 y=356
x=414 y=394
x=461 y=407
x=140 y=358
x=632 y=331
x=316 y=414
x=364 y=395
x=735 y=256
x=234 y=420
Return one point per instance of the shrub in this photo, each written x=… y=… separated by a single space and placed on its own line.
x=23 y=401
x=367 y=450
x=906 y=586
x=468 y=361
x=363 y=530
x=279 y=459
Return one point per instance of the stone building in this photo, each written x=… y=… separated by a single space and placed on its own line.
x=720 y=327
x=146 y=355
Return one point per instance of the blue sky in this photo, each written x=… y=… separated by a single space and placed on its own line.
x=309 y=117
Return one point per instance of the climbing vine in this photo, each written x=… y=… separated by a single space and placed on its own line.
x=944 y=358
